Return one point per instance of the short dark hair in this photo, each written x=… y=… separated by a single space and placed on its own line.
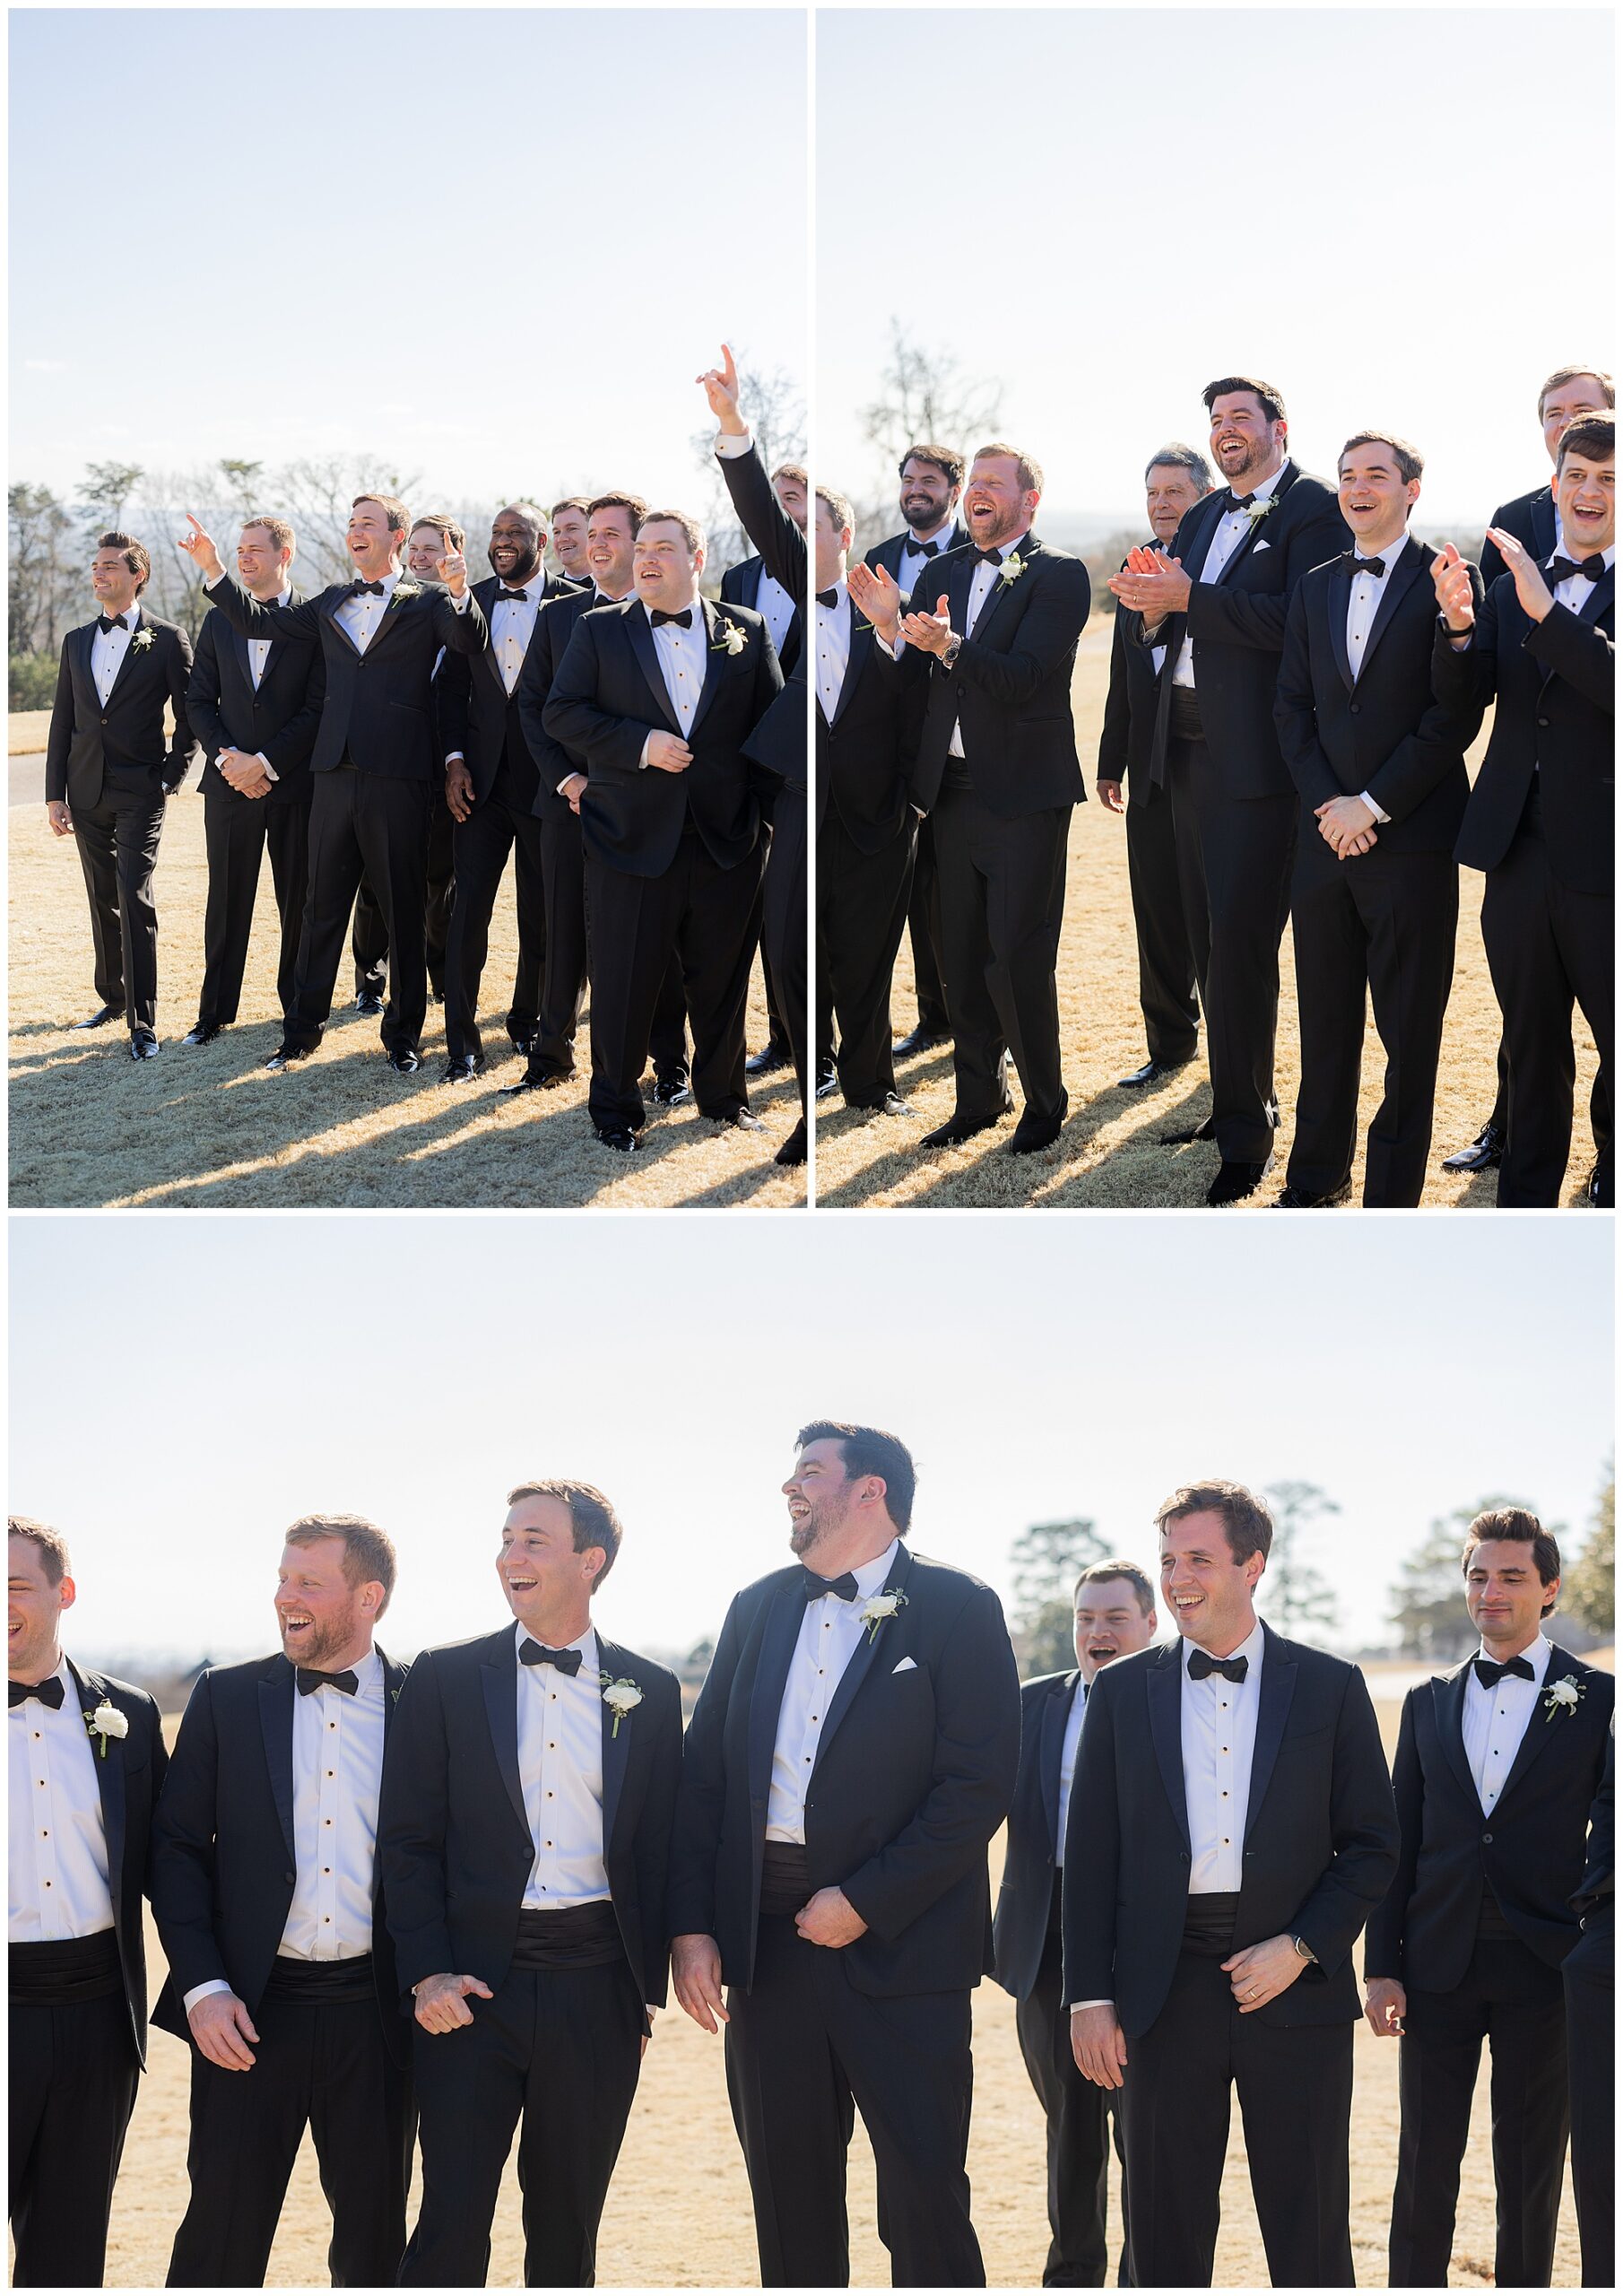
x=53 y=1558
x=1175 y=456
x=869 y=1450
x=400 y=519
x=1593 y=435
x=790 y=470
x=278 y=529
x=1030 y=471
x=945 y=459
x=369 y=1553
x=135 y=555
x=571 y=502
x=443 y=523
x=633 y=504
x=1570 y=375
x=690 y=527
x=1265 y=395
x=1246 y=1522
x=1518 y=1523
x=593 y=1521
x=839 y=506
x=1408 y=459
x=1098 y=1574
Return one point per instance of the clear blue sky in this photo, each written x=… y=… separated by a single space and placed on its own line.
x=184 y=1385
x=544 y=216
x=1168 y=196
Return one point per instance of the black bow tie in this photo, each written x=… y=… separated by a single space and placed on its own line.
x=1240 y=502
x=829 y=597
x=310 y=1678
x=988 y=557
x=359 y=589
x=683 y=621
x=814 y=1587
x=923 y=549
x=538 y=1654
x=49 y=1694
x=1202 y=1664
x=105 y=622
x=1490 y=1674
x=515 y=597
x=1560 y=568
x=1373 y=567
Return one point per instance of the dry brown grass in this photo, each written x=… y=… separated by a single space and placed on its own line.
x=208 y=1126
x=1109 y=1152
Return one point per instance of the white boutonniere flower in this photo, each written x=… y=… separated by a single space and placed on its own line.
x=878 y=1608
x=729 y=639
x=143 y=639
x=1562 y=1697
x=1012 y=569
x=620 y=1696
x=1258 y=512
x=107 y=1722
x=404 y=590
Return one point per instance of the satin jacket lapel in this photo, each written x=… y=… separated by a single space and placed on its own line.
x=640 y=632
x=1448 y=1699
x=1273 y=1711
x=499 y=1677
x=615 y=1663
x=1254 y=533
x=1397 y=584
x=1542 y=1725
x=276 y=1694
x=1335 y=604
x=874 y=1641
x=779 y=1633
x=1030 y=550
x=485 y=592
x=862 y=643
x=1050 y=1750
x=394 y=1679
x=1164 y=1690
x=109 y=1779
x=1544 y=526
x=329 y=613
x=717 y=661
x=1600 y=595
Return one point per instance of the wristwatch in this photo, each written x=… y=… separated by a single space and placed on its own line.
x=954 y=647
x=1305 y=1948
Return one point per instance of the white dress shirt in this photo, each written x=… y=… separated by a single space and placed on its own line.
x=833 y=649
x=1218 y=1725
x=1495 y=1720
x=986 y=579
x=259 y=654
x=913 y=568
x=360 y=618
x=1232 y=529
x=1070 y=1746
x=1364 y=601
x=108 y=648
x=58 y=1867
x=682 y=663
x=560 y=1769
x=512 y=626
x=830 y=1633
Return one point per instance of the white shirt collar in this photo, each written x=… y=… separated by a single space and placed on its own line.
x=1264 y=488
x=838 y=587
x=941 y=537
x=696 y=602
x=1540 y=1650
x=1561 y=551
x=586 y=1643
x=1251 y=1650
x=531 y=588
x=871 y=1576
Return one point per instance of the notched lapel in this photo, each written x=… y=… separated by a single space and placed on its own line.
x=500 y=1685
x=276 y=1727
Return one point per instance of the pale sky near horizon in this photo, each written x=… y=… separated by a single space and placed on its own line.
x=1354 y=205
x=183 y=1385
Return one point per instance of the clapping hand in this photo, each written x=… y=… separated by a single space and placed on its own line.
x=720 y=386
x=875 y=593
x=930 y=632
x=1347 y=826
x=1451 y=580
x=200 y=549
x=1527 y=574
x=1151 y=584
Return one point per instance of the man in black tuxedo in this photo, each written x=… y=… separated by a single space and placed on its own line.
x=852 y=1754
x=997 y=770
x=526 y=1823
x=1169 y=968
x=254 y=704
x=377 y=756
x=266 y=1896
x=1233 y=1820
x=931 y=481
x=1534 y=521
x=1540 y=818
x=87 y=1760
x=570 y=519
x=1497 y=1764
x=1112 y=1606
x=1589 y=1980
x=660 y=710
x=1380 y=764
x=1218 y=602
x=110 y=769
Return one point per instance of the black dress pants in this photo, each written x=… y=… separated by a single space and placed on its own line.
x=496 y=826
x=924 y=936
x=1587 y=1977
x=563 y=893
x=236 y=832
x=1384 y=922
x=364 y=821
x=73 y=2074
x=370 y=940
x=1172 y=948
x=1081 y=2120
x=804 y=2049
x=1003 y=896
x=783 y=926
x=118 y=842
x=1512 y=2000
x=862 y=904
x=1234 y=858
x=370 y=945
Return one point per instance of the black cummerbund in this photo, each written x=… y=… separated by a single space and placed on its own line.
x=1490 y=1920
x=1184 y=724
x=568 y=1937
x=1209 y=1922
x=64 y=1970
x=311 y=1984
x=785 y=1882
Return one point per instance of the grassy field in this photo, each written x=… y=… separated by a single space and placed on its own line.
x=1109 y=1152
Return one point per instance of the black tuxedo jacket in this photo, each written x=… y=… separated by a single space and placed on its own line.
x=608 y=695
x=223 y=1846
x=1557 y=710
x=1595 y=1896
x=554 y=628
x=476 y=712
x=378 y=707
x=1388 y=732
x=778 y=744
x=1020 y=1927
x=1010 y=687
x=1238 y=623
x=914 y=1774
x=1531 y=1850
x=866 y=751
x=888 y=553
x=1531 y=519
x=85 y=738
x=453 y=1837
x=741 y=587
x=278 y=722
x=1128 y=732
x=1321 y=1832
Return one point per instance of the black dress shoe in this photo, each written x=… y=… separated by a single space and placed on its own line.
x=1236 y=1181
x=1483 y=1154
x=772 y=1055
x=404 y=1061
x=793 y=1150
x=671 y=1092
x=522 y=1041
x=1152 y=1072
x=741 y=1121
x=918 y=1040
x=1593 y=1195
x=368 y=1001
x=100 y=1019
x=463 y=1068
x=618 y=1136
x=959 y=1128
x=1291 y=1199
x=827 y=1080
x=892 y=1104
x=531 y=1083
x=144 y=1045
x=286 y=1053
x=1032 y=1132
x=1185 y=1139
x=204 y=1032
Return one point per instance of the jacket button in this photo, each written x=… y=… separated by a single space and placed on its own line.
x=290 y=1877
x=1353 y=707
x=1487 y=1837
x=1543 y=721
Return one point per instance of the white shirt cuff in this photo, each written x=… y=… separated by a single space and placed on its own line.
x=269 y=768
x=564 y=784
x=460 y=605
x=199 y=1992
x=1090 y=2004
x=643 y=759
x=452 y=756
x=1365 y=799
x=730 y=448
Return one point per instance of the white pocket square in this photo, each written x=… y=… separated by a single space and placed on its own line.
x=1260 y=548
x=902 y=1665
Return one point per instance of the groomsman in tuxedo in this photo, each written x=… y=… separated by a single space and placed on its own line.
x=1218 y=602
x=87 y=1758
x=568 y=518
x=378 y=757
x=1540 y=818
x=255 y=706
x=997 y=770
x=659 y=697
x=1232 y=1820
x=1589 y=1979
x=1114 y=1613
x=852 y=1754
x=1498 y=1765
x=1535 y=522
x=931 y=481
x=265 y=1892
x=110 y=769
x=1380 y=764
x=1170 y=967
x=526 y=1823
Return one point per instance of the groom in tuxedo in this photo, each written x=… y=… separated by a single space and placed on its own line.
x=526 y=1818
x=852 y=1754
x=86 y=1761
x=1232 y=1830
x=1498 y=1765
